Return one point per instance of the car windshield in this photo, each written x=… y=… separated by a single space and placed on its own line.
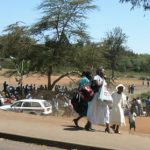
x=46 y=104
x=17 y=104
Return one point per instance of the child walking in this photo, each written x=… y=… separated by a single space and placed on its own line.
x=132 y=118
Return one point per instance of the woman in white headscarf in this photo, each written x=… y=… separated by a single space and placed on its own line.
x=98 y=112
x=117 y=117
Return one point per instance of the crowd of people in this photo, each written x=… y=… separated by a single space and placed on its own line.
x=136 y=106
x=10 y=93
x=108 y=113
x=87 y=103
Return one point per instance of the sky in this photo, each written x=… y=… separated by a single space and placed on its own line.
x=135 y=24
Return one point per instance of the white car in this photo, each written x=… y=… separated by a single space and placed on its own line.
x=32 y=106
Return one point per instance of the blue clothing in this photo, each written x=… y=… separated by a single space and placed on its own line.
x=83 y=104
x=147 y=101
x=84 y=81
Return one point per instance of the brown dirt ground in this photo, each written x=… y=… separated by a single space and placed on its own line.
x=35 y=79
x=143 y=123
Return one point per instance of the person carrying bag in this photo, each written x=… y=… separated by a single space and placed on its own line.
x=98 y=110
x=104 y=95
x=87 y=93
x=80 y=102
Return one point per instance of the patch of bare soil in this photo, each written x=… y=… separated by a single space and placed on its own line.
x=38 y=80
x=142 y=126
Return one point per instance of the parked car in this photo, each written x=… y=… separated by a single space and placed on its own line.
x=32 y=106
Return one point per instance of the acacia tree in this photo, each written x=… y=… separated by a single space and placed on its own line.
x=61 y=24
x=16 y=41
x=114 y=47
x=138 y=3
x=88 y=56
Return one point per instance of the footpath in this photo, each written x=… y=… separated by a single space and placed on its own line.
x=60 y=132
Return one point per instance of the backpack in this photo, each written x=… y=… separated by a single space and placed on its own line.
x=94 y=86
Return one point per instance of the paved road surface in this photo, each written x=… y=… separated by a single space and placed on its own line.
x=13 y=145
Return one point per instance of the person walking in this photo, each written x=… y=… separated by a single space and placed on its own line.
x=98 y=112
x=82 y=105
x=117 y=117
x=132 y=115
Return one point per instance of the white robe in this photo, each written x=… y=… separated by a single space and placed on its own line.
x=117 y=112
x=98 y=112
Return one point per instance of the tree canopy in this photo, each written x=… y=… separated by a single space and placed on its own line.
x=114 y=47
x=63 y=20
x=16 y=41
x=62 y=23
x=138 y=3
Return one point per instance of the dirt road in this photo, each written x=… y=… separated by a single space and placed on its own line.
x=143 y=123
x=61 y=129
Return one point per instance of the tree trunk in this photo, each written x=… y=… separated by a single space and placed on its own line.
x=49 y=74
x=112 y=73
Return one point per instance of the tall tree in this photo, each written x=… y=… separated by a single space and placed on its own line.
x=61 y=24
x=88 y=55
x=138 y=3
x=16 y=41
x=114 y=47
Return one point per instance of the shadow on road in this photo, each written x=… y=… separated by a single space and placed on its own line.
x=72 y=128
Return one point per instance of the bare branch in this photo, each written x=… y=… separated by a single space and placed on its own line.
x=64 y=75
